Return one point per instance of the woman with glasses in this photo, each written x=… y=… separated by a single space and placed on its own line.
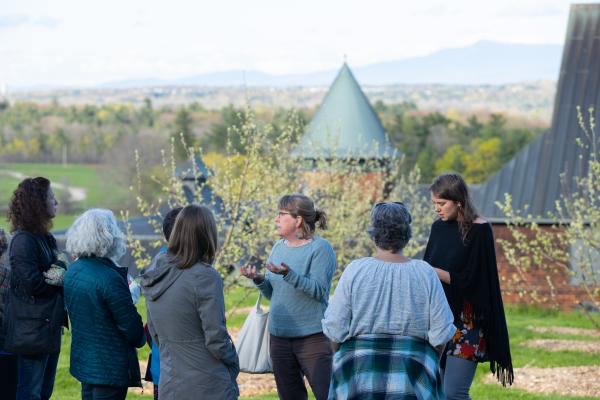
x=461 y=248
x=388 y=318
x=298 y=280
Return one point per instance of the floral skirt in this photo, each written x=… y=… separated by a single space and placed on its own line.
x=469 y=341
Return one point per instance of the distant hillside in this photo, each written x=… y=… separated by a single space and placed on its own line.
x=532 y=99
x=481 y=63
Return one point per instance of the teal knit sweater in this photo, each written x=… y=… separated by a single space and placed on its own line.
x=299 y=299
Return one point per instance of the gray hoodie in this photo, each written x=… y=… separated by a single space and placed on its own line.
x=186 y=316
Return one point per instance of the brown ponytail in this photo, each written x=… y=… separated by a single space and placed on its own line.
x=321 y=219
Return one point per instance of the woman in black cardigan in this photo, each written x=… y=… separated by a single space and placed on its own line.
x=461 y=249
x=35 y=311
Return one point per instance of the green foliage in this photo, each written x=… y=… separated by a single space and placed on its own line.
x=426 y=163
x=147 y=113
x=485 y=157
x=452 y=160
x=472 y=146
x=219 y=134
x=95 y=133
x=250 y=183
x=182 y=133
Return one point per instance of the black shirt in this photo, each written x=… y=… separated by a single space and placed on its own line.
x=474 y=278
x=446 y=250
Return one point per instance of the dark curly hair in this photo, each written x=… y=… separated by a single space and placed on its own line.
x=28 y=207
x=390 y=226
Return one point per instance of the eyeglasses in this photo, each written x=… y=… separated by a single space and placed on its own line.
x=282 y=213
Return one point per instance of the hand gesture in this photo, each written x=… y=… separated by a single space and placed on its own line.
x=283 y=269
x=55 y=276
x=250 y=272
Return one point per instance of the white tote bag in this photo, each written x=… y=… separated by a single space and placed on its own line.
x=253 y=342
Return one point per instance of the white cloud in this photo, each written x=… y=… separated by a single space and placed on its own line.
x=71 y=42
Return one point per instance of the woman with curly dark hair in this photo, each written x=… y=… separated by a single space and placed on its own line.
x=36 y=310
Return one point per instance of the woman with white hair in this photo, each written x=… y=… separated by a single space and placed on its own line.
x=106 y=327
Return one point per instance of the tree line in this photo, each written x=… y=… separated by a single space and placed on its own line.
x=473 y=144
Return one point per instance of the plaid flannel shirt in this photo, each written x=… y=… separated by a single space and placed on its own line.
x=386 y=366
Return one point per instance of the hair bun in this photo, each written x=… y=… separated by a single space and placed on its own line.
x=321 y=219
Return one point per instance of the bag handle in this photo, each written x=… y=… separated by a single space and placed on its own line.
x=257 y=306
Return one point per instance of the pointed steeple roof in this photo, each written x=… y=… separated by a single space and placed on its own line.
x=345 y=125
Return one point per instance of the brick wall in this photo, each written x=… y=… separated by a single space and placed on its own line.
x=532 y=285
x=370 y=184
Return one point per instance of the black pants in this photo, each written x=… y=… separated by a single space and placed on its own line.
x=294 y=358
x=8 y=376
x=101 y=392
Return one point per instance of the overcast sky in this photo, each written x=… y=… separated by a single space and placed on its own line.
x=81 y=42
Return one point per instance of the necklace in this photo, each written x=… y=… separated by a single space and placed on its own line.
x=300 y=242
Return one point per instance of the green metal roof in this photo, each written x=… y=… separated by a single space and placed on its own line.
x=345 y=126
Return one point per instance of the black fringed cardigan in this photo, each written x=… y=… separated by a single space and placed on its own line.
x=474 y=278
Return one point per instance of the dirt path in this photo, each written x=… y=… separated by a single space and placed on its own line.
x=563 y=330
x=249 y=384
x=566 y=381
x=569 y=345
x=75 y=193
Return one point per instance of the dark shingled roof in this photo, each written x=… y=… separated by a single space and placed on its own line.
x=533 y=177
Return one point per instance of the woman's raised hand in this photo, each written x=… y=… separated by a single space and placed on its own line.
x=251 y=272
x=281 y=270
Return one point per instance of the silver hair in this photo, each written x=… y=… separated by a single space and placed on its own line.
x=96 y=233
x=390 y=226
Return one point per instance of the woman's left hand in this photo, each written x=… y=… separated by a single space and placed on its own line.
x=55 y=276
x=283 y=269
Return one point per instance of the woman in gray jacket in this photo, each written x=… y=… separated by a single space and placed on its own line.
x=186 y=313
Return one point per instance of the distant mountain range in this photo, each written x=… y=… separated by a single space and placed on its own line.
x=484 y=62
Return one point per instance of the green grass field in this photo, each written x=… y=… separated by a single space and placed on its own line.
x=519 y=319
x=100 y=193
